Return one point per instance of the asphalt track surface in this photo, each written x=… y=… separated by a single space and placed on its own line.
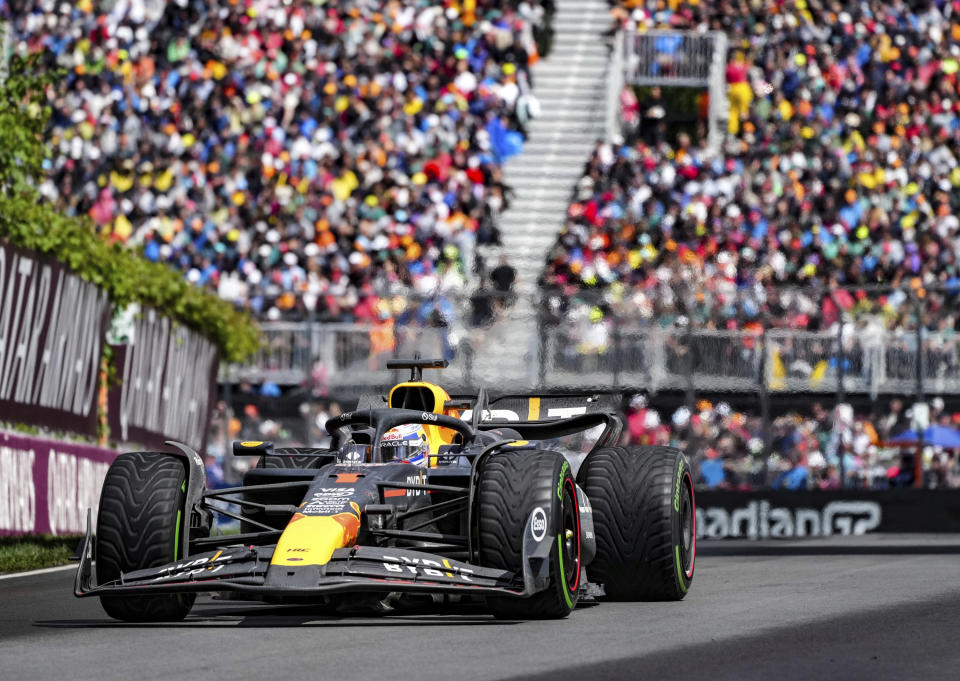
x=877 y=609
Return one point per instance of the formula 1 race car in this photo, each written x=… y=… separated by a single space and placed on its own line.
x=464 y=499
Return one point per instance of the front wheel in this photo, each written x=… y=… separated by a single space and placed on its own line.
x=645 y=522
x=139 y=526
x=513 y=485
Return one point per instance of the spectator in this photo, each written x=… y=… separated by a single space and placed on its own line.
x=840 y=169
x=297 y=158
x=711 y=470
x=794 y=476
x=739 y=92
x=503 y=277
x=483 y=306
x=726 y=447
x=214 y=472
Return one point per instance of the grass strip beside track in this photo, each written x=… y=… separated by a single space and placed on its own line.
x=34 y=552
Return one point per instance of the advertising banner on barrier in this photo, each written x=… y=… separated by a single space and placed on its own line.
x=46 y=486
x=168 y=377
x=52 y=326
x=784 y=514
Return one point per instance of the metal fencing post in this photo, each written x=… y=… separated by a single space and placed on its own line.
x=542 y=327
x=920 y=399
x=841 y=392
x=691 y=386
x=467 y=346
x=308 y=370
x=617 y=352
x=765 y=405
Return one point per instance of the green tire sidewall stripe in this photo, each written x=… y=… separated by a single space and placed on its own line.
x=176 y=536
x=563 y=574
x=676 y=554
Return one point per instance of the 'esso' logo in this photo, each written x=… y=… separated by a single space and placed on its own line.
x=538 y=527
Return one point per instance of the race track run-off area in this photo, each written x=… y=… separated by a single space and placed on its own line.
x=825 y=611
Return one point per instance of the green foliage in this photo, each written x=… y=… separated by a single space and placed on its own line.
x=23 y=117
x=29 y=222
x=32 y=553
x=26 y=428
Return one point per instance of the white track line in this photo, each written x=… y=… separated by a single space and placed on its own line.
x=44 y=571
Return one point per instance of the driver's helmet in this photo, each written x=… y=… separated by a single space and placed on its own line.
x=405 y=443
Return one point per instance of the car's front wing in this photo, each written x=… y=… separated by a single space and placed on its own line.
x=247 y=569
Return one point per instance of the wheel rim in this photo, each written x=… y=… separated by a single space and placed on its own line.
x=687 y=529
x=570 y=537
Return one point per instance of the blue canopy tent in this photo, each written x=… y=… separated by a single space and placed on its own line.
x=936 y=436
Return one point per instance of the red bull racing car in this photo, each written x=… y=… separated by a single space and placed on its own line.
x=468 y=498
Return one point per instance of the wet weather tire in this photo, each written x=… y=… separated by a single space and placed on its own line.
x=140 y=526
x=511 y=485
x=645 y=522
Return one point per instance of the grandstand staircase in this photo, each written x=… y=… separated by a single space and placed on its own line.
x=570 y=85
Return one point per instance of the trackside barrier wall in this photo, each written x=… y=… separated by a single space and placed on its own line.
x=53 y=326
x=47 y=486
x=782 y=514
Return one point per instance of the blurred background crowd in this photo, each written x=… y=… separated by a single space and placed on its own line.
x=813 y=448
x=334 y=159
x=342 y=161
x=840 y=167
x=808 y=450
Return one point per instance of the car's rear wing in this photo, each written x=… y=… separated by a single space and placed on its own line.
x=537 y=416
x=549 y=407
x=546 y=416
x=557 y=428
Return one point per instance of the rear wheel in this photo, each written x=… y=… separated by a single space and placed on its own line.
x=140 y=526
x=645 y=522
x=512 y=486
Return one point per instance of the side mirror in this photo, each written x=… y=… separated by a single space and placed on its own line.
x=252 y=448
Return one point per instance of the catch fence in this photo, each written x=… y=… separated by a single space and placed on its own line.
x=868 y=353
x=854 y=358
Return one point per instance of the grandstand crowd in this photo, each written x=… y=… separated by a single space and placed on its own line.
x=339 y=159
x=726 y=447
x=344 y=159
x=839 y=168
x=805 y=450
x=335 y=159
